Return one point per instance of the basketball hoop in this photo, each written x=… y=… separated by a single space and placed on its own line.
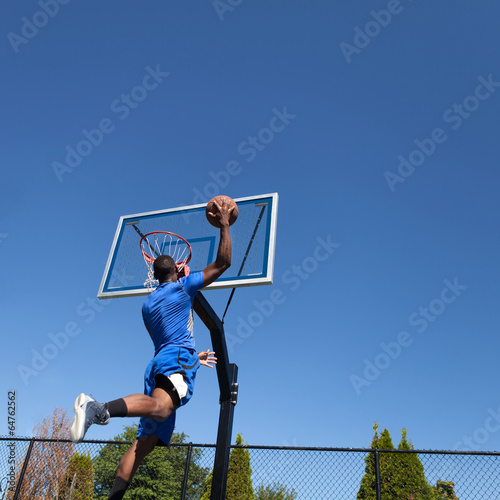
x=159 y=243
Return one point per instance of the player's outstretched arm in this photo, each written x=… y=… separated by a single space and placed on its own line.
x=207 y=358
x=223 y=260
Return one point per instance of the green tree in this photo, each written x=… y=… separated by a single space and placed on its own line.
x=275 y=491
x=445 y=490
x=160 y=475
x=78 y=481
x=411 y=474
x=401 y=474
x=239 y=475
x=207 y=488
x=367 y=490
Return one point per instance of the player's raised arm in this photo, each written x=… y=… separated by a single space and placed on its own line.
x=220 y=216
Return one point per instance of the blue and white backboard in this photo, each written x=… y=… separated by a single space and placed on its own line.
x=253 y=238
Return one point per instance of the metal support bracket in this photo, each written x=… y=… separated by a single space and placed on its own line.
x=234 y=393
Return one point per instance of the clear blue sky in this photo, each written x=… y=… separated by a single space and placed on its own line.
x=386 y=161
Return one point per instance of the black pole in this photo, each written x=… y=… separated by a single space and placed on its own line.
x=224 y=433
x=23 y=470
x=205 y=312
x=186 y=471
x=377 y=476
x=227 y=375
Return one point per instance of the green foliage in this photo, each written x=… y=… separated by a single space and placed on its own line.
x=160 y=475
x=275 y=491
x=445 y=490
x=207 y=487
x=367 y=490
x=78 y=481
x=401 y=474
x=239 y=476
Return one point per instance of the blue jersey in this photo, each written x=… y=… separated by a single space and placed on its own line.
x=167 y=312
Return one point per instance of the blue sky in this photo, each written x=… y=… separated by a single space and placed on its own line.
x=387 y=169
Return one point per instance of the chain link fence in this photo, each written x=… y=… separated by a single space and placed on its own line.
x=336 y=473
x=37 y=469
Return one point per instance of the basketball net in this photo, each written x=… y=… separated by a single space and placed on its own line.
x=159 y=243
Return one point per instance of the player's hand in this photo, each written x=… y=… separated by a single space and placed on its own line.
x=207 y=358
x=224 y=210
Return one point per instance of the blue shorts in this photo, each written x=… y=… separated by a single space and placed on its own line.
x=168 y=361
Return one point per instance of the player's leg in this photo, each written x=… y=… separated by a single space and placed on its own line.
x=149 y=434
x=164 y=391
x=129 y=464
x=159 y=406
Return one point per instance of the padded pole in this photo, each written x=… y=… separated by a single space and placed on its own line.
x=227 y=375
x=205 y=312
x=224 y=433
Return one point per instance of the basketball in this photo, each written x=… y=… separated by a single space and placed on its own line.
x=212 y=209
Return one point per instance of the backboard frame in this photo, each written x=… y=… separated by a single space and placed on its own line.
x=266 y=277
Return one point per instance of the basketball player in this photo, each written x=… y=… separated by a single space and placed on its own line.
x=170 y=375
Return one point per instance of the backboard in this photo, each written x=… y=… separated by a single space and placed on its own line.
x=253 y=238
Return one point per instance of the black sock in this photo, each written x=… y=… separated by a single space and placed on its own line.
x=117 y=408
x=119 y=488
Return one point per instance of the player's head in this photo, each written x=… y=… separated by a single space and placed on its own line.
x=165 y=268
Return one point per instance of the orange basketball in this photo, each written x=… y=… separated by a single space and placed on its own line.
x=212 y=209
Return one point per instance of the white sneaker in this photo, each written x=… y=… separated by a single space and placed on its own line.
x=87 y=412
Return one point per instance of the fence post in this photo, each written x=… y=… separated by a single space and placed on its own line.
x=23 y=470
x=377 y=476
x=186 y=471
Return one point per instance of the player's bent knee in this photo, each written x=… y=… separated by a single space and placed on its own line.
x=164 y=414
x=165 y=406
